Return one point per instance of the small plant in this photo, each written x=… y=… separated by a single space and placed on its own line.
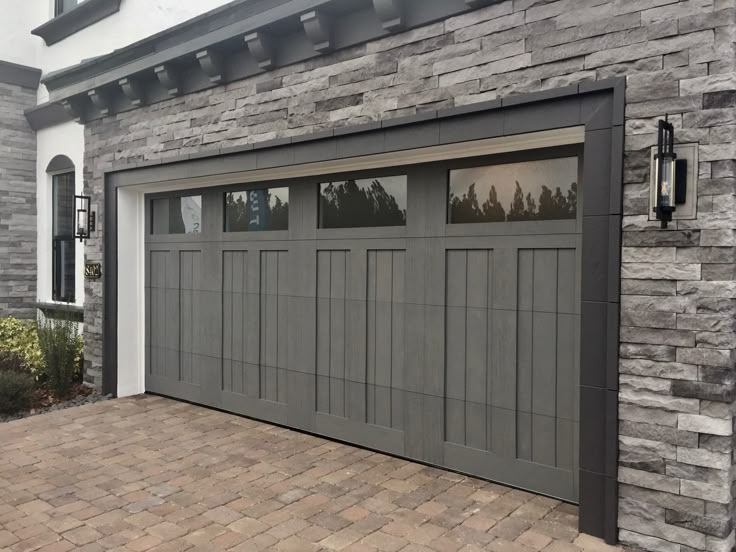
x=20 y=338
x=16 y=392
x=59 y=342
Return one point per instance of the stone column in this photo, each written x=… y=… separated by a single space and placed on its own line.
x=17 y=192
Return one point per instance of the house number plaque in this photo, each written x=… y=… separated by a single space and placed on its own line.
x=93 y=271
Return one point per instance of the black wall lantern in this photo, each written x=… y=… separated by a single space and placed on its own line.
x=670 y=174
x=84 y=217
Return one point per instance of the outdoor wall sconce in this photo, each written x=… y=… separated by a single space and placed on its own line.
x=670 y=174
x=84 y=217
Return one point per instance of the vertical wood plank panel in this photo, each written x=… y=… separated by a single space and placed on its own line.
x=476 y=344
x=524 y=341
x=456 y=345
x=371 y=336
x=238 y=308
x=397 y=342
x=228 y=300
x=187 y=300
x=384 y=335
x=355 y=337
x=337 y=332
x=502 y=352
x=263 y=324
x=323 y=330
x=252 y=329
x=271 y=324
x=544 y=387
x=282 y=325
x=566 y=281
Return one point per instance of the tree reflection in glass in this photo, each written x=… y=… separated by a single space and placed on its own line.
x=363 y=203
x=256 y=210
x=532 y=190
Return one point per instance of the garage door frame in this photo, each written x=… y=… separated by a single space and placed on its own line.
x=598 y=106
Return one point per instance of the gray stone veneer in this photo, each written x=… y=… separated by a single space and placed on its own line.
x=676 y=398
x=17 y=203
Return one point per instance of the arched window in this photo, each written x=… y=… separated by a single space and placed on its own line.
x=63 y=265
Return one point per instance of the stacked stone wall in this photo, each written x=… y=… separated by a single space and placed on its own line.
x=17 y=203
x=678 y=286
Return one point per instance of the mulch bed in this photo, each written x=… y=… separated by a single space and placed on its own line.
x=44 y=401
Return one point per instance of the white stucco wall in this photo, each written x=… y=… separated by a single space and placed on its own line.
x=66 y=139
x=136 y=20
x=19 y=17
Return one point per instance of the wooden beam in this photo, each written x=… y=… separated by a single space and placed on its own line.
x=391 y=14
x=213 y=65
x=168 y=76
x=318 y=27
x=481 y=3
x=261 y=48
x=134 y=90
x=101 y=100
x=75 y=108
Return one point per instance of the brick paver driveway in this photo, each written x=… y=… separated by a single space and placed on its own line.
x=149 y=473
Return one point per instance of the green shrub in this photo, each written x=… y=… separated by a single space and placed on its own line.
x=20 y=338
x=59 y=342
x=16 y=392
x=12 y=362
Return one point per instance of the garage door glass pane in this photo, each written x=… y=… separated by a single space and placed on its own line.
x=177 y=215
x=257 y=210
x=361 y=203
x=531 y=190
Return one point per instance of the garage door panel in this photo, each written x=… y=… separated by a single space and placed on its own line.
x=524 y=229
x=372 y=436
x=273 y=283
x=206 y=322
x=508 y=370
x=526 y=475
x=544 y=275
x=263 y=410
x=169 y=386
x=502 y=354
x=502 y=425
x=455 y=344
x=567 y=342
x=567 y=277
x=505 y=277
x=385 y=335
x=544 y=365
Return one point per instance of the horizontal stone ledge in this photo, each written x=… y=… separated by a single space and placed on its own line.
x=660 y=271
x=716 y=527
x=721 y=358
x=705 y=424
x=651 y=336
x=716 y=340
x=703 y=391
x=706 y=322
x=671 y=370
x=655 y=400
x=707 y=289
x=712 y=493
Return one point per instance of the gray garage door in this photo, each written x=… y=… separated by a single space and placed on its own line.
x=429 y=311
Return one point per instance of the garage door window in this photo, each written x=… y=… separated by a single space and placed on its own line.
x=531 y=190
x=177 y=215
x=363 y=203
x=257 y=210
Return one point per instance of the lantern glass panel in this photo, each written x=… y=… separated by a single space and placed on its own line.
x=667 y=180
x=82 y=222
